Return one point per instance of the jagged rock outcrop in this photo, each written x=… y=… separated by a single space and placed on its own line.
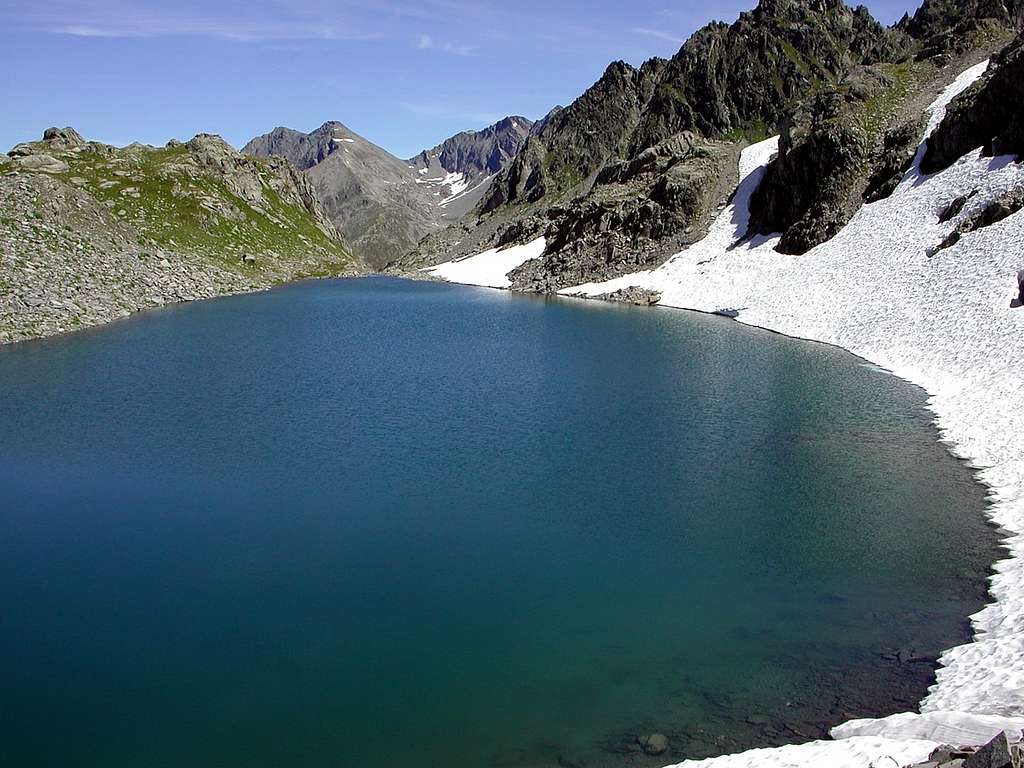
x=92 y=232
x=996 y=210
x=666 y=193
x=725 y=78
x=989 y=114
x=944 y=17
x=856 y=140
x=808 y=192
x=894 y=158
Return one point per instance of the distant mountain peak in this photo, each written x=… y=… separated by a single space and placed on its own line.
x=382 y=204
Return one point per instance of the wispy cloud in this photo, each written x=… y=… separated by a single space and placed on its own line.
x=120 y=19
x=660 y=34
x=427 y=43
x=227 y=30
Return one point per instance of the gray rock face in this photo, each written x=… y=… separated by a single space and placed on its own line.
x=807 y=193
x=989 y=114
x=384 y=206
x=63 y=138
x=464 y=165
x=899 y=147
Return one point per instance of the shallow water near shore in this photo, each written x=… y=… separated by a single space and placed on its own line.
x=377 y=522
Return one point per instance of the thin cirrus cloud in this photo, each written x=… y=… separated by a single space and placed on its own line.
x=210 y=28
x=427 y=43
x=659 y=34
x=118 y=19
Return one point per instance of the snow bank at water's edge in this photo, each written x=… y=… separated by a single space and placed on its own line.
x=490 y=268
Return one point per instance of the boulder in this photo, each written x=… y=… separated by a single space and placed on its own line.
x=953 y=210
x=995 y=754
x=41 y=164
x=63 y=138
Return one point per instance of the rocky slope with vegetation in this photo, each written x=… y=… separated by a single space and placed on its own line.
x=90 y=232
x=632 y=171
x=383 y=205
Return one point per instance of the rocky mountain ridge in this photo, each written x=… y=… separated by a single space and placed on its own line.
x=842 y=86
x=464 y=165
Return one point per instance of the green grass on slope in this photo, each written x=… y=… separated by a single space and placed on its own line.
x=162 y=195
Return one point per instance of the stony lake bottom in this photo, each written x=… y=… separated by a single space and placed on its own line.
x=377 y=523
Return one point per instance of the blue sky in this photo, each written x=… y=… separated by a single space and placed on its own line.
x=403 y=73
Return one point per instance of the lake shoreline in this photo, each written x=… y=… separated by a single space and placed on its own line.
x=944 y=324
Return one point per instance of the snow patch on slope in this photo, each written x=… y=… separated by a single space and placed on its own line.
x=490 y=268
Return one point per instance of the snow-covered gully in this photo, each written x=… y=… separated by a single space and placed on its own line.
x=943 y=322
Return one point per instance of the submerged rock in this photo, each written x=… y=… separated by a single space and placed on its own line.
x=654 y=744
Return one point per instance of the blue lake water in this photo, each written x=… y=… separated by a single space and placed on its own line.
x=382 y=523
